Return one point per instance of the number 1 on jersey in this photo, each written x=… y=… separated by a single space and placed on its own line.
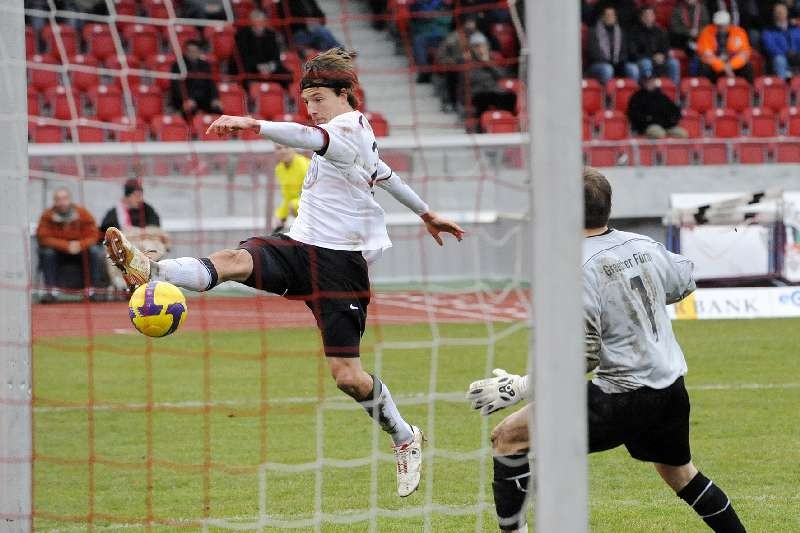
x=638 y=285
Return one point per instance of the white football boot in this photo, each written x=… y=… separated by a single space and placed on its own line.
x=134 y=263
x=409 y=463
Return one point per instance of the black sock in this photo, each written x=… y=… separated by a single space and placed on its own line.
x=711 y=503
x=510 y=487
x=212 y=270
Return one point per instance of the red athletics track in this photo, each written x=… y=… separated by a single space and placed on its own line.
x=226 y=313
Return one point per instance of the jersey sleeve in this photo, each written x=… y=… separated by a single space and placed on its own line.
x=592 y=320
x=389 y=181
x=343 y=140
x=679 y=281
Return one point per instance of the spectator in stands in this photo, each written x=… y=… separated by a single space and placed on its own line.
x=310 y=32
x=724 y=49
x=455 y=50
x=744 y=13
x=198 y=91
x=481 y=80
x=689 y=17
x=650 y=47
x=427 y=30
x=67 y=235
x=258 y=54
x=609 y=49
x=203 y=9
x=653 y=114
x=781 y=43
x=139 y=222
x=289 y=173
x=626 y=11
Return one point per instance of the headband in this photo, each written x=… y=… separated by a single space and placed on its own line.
x=322 y=82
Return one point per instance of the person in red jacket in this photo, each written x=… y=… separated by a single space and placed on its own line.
x=724 y=49
x=67 y=233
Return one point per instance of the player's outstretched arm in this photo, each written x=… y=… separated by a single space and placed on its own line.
x=503 y=390
x=286 y=133
x=389 y=181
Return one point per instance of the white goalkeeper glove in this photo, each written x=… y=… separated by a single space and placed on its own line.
x=492 y=394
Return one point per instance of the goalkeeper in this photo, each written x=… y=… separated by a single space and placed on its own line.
x=289 y=173
x=637 y=396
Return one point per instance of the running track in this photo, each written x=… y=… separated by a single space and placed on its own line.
x=227 y=313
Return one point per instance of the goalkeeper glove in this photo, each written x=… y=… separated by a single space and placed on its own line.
x=492 y=394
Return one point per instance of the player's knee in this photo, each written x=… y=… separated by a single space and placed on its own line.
x=346 y=380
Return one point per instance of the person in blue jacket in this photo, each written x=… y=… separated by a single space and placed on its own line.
x=781 y=42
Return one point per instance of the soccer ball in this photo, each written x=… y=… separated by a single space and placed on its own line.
x=157 y=309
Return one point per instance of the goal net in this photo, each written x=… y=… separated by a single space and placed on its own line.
x=233 y=423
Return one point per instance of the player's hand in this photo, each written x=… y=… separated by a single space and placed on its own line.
x=227 y=124
x=492 y=394
x=436 y=225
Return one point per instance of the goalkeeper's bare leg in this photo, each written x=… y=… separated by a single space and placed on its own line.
x=237 y=265
x=510 y=445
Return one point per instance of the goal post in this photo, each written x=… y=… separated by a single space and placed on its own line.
x=15 y=352
x=558 y=424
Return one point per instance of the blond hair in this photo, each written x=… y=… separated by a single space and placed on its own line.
x=335 y=70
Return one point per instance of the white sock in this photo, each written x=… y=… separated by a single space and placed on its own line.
x=388 y=416
x=185 y=272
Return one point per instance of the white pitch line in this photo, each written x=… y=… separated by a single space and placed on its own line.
x=343 y=404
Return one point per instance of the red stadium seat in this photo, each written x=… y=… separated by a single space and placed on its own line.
x=232 y=99
x=724 y=123
x=67 y=35
x=184 y=33
x=692 y=122
x=663 y=11
x=760 y=122
x=613 y=125
x=588 y=127
x=790 y=121
x=380 y=126
x=31 y=43
x=752 y=152
x=242 y=8
x=683 y=61
x=125 y=7
x=156 y=9
x=620 y=91
x=794 y=89
x=787 y=152
x=170 y=128
x=498 y=122
x=713 y=153
x=609 y=156
x=118 y=79
x=506 y=38
x=42 y=132
x=143 y=41
x=200 y=124
x=33 y=101
x=82 y=72
x=131 y=133
x=699 y=94
x=736 y=93
x=100 y=40
x=88 y=133
x=40 y=78
x=649 y=154
x=592 y=96
x=222 y=39
x=161 y=63
x=668 y=87
x=107 y=102
x=757 y=60
x=772 y=92
x=58 y=98
x=148 y=100
x=678 y=153
x=269 y=99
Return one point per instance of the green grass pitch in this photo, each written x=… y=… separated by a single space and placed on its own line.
x=744 y=380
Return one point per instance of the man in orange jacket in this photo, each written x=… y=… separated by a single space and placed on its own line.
x=67 y=233
x=724 y=49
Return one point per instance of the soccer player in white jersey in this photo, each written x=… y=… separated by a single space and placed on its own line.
x=637 y=396
x=324 y=258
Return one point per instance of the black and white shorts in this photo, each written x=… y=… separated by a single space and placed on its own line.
x=333 y=283
x=653 y=424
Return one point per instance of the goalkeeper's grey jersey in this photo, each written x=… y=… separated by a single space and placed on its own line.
x=628 y=281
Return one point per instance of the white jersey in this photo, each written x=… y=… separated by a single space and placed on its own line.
x=628 y=281
x=338 y=210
